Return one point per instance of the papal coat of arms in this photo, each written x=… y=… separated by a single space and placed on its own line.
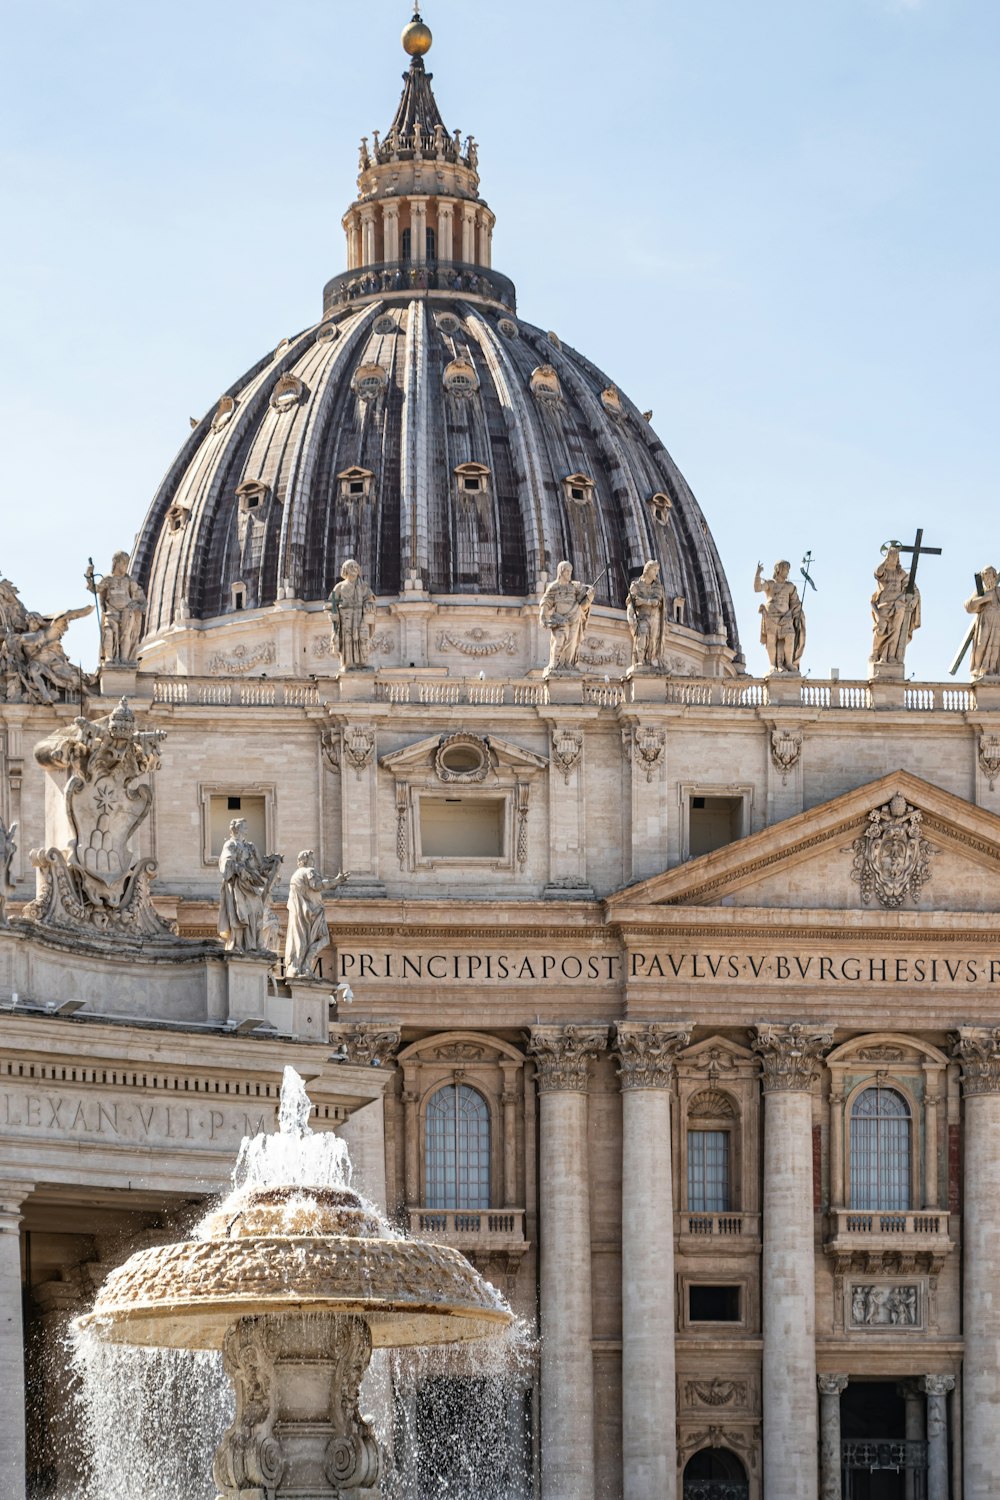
x=891 y=857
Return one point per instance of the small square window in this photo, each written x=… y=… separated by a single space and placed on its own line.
x=234 y=803
x=713 y=1304
x=472 y=482
x=714 y=822
x=357 y=486
x=222 y=808
x=577 y=493
x=462 y=827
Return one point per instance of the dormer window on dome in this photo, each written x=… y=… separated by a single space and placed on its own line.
x=460 y=378
x=253 y=496
x=448 y=323
x=578 y=489
x=661 y=505
x=356 y=485
x=327 y=333
x=473 y=481
x=508 y=328
x=288 y=392
x=611 y=401
x=177 y=518
x=385 y=324
x=223 y=413
x=545 y=385
x=370 y=382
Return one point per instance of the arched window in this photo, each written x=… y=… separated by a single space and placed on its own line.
x=880 y=1150
x=407 y=239
x=432 y=244
x=457 y=1149
x=711 y=1122
x=715 y=1474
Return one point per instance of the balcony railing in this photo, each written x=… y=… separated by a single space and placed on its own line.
x=406 y=276
x=878 y=1222
x=870 y=1455
x=477 y=1228
x=715 y=1227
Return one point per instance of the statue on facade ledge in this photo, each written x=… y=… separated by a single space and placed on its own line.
x=352 y=608
x=122 y=605
x=308 y=933
x=7 y=851
x=33 y=665
x=245 y=899
x=645 y=608
x=782 y=618
x=564 y=611
x=895 y=612
x=97 y=882
x=986 y=629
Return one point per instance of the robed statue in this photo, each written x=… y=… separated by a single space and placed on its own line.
x=7 y=851
x=247 y=881
x=308 y=933
x=352 y=608
x=122 y=604
x=895 y=610
x=645 y=608
x=986 y=629
x=564 y=611
x=782 y=619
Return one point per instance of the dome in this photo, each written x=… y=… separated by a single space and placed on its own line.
x=423 y=428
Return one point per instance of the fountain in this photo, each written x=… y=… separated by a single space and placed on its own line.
x=296 y=1280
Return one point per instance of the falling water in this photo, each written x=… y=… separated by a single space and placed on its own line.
x=454 y=1421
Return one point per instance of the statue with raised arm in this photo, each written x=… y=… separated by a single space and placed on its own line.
x=247 y=882
x=123 y=605
x=986 y=629
x=782 y=620
x=352 y=609
x=645 y=608
x=308 y=933
x=7 y=851
x=895 y=611
x=564 y=611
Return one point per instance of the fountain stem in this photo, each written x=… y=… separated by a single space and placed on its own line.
x=298 y=1432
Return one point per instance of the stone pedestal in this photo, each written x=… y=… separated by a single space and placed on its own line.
x=987 y=691
x=784 y=689
x=791 y=1057
x=247 y=988
x=118 y=680
x=564 y=687
x=306 y=1010
x=937 y=1388
x=830 y=1472
x=561 y=1056
x=298 y=1432
x=649 y=1394
x=356 y=687
x=646 y=684
x=978 y=1048
x=12 y=1437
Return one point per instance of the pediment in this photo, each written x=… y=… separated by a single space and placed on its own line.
x=499 y=755
x=851 y=853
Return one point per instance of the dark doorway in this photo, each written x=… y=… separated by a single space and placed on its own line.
x=878 y=1462
x=715 y=1474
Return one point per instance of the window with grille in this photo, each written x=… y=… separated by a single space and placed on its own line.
x=457 y=1149
x=880 y=1150
x=708 y=1171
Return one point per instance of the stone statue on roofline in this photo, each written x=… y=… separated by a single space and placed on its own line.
x=245 y=900
x=645 y=609
x=352 y=608
x=7 y=851
x=308 y=933
x=33 y=665
x=782 y=618
x=122 y=605
x=985 y=607
x=564 y=612
x=895 y=612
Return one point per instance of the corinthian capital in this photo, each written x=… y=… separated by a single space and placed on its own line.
x=370 y=1044
x=647 y=1052
x=937 y=1385
x=562 y=1053
x=790 y=1055
x=978 y=1050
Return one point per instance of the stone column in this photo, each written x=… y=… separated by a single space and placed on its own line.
x=937 y=1388
x=350 y=226
x=913 y=1430
x=368 y=236
x=978 y=1049
x=837 y=1148
x=646 y=1056
x=830 y=1389
x=562 y=1054
x=469 y=232
x=446 y=231
x=390 y=231
x=418 y=227
x=12 y=1438
x=508 y=1100
x=790 y=1056
x=931 y=1101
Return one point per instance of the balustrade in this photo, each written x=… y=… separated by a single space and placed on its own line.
x=467 y=1226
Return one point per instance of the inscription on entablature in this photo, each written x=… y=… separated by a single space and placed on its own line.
x=57 y=1115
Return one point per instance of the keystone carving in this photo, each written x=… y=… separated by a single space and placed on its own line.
x=790 y=1055
x=647 y=1053
x=891 y=857
x=562 y=1054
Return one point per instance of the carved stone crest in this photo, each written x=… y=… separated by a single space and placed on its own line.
x=358 y=746
x=891 y=857
x=989 y=757
x=567 y=750
x=649 y=747
x=786 y=748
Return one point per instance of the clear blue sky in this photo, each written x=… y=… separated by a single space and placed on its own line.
x=775 y=223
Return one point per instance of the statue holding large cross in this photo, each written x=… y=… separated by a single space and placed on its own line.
x=985 y=632
x=896 y=607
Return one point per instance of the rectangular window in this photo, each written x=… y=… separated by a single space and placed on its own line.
x=713 y=1304
x=462 y=827
x=708 y=1171
x=713 y=823
x=222 y=808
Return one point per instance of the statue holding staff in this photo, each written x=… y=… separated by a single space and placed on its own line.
x=645 y=609
x=564 y=611
x=308 y=933
x=352 y=608
x=247 y=881
x=782 y=618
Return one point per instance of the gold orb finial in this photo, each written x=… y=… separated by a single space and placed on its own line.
x=417 y=37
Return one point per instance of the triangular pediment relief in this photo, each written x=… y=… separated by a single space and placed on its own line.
x=434 y=750
x=838 y=855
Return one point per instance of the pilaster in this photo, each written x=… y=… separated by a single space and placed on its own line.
x=12 y=1434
